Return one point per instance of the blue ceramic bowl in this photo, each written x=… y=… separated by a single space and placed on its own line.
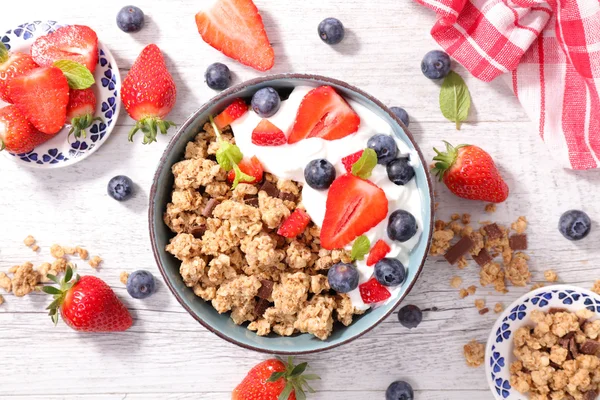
x=221 y=324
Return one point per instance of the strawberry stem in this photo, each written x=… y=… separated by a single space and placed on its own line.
x=59 y=293
x=80 y=124
x=150 y=126
x=445 y=160
x=3 y=53
x=295 y=382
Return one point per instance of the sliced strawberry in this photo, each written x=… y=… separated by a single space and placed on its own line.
x=267 y=134
x=324 y=113
x=80 y=111
x=235 y=28
x=295 y=224
x=17 y=135
x=378 y=252
x=42 y=95
x=353 y=207
x=348 y=161
x=233 y=111
x=12 y=65
x=75 y=42
x=373 y=292
x=251 y=167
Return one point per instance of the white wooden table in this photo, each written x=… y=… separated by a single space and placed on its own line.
x=166 y=354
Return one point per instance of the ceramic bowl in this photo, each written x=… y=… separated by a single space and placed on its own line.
x=499 y=350
x=222 y=325
x=58 y=152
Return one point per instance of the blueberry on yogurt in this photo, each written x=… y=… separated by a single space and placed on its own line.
x=402 y=226
x=319 y=174
x=390 y=272
x=400 y=171
x=385 y=147
x=266 y=102
x=342 y=277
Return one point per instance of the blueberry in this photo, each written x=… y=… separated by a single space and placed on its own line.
x=218 y=76
x=390 y=272
x=140 y=284
x=385 y=147
x=402 y=225
x=130 y=19
x=331 y=30
x=436 y=64
x=400 y=171
x=343 y=278
x=401 y=114
x=410 y=316
x=120 y=187
x=574 y=224
x=266 y=102
x=319 y=174
x=399 y=390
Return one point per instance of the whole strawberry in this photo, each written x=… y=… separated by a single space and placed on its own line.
x=17 y=135
x=469 y=172
x=87 y=304
x=275 y=380
x=12 y=65
x=148 y=94
x=80 y=111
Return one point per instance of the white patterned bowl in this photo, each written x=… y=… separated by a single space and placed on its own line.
x=499 y=350
x=57 y=152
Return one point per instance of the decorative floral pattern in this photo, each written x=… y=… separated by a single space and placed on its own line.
x=57 y=151
x=499 y=351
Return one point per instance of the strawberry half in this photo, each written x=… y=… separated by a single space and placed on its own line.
x=373 y=292
x=251 y=167
x=235 y=28
x=74 y=42
x=353 y=207
x=80 y=111
x=295 y=224
x=349 y=161
x=267 y=134
x=17 y=135
x=12 y=65
x=148 y=94
x=378 y=252
x=233 y=111
x=325 y=114
x=42 y=95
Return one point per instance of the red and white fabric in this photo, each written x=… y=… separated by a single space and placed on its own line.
x=549 y=53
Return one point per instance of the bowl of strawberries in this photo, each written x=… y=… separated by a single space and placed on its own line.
x=59 y=93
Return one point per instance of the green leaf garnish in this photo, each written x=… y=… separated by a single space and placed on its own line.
x=455 y=100
x=78 y=76
x=365 y=164
x=360 y=248
x=3 y=53
x=228 y=157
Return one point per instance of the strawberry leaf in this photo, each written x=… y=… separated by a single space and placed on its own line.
x=275 y=376
x=299 y=369
x=78 y=76
x=3 y=53
x=455 y=100
x=360 y=248
x=285 y=394
x=365 y=164
x=51 y=290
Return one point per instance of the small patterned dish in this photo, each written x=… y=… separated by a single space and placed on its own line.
x=57 y=152
x=499 y=349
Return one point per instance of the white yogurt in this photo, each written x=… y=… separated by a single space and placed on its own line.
x=288 y=162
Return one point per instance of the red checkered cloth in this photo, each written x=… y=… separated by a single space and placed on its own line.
x=549 y=53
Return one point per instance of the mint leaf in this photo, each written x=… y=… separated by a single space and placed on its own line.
x=223 y=156
x=360 y=248
x=78 y=76
x=365 y=164
x=3 y=53
x=455 y=100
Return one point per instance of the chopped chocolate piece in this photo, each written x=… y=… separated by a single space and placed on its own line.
x=252 y=201
x=573 y=348
x=590 y=347
x=198 y=231
x=564 y=343
x=590 y=395
x=554 y=365
x=581 y=322
x=493 y=231
x=555 y=310
x=260 y=307
x=461 y=248
x=569 y=397
x=287 y=196
x=270 y=189
x=484 y=311
x=280 y=241
x=569 y=335
x=266 y=289
x=483 y=258
x=210 y=206
x=518 y=242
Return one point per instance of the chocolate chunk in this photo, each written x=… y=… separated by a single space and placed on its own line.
x=461 y=248
x=266 y=289
x=590 y=347
x=518 y=242
x=287 y=196
x=270 y=189
x=573 y=348
x=493 y=232
x=581 y=322
x=483 y=258
x=569 y=397
x=210 y=206
x=260 y=307
x=564 y=343
x=484 y=311
x=554 y=365
x=198 y=231
x=555 y=310
x=590 y=395
x=252 y=201
x=569 y=335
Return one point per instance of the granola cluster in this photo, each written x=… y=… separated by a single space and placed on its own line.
x=558 y=357
x=232 y=256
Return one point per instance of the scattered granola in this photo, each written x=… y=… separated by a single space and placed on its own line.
x=474 y=353
x=1 y=299
x=596 y=287
x=463 y=293
x=558 y=357
x=480 y=304
x=123 y=277
x=29 y=241
x=95 y=262
x=472 y=289
x=498 y=308
x=490 y=208
x=57 y=251
x=550 y=276
x=455 y=282
x=536 y=286
x=35 y=247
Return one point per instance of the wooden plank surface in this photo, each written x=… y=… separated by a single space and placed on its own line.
x=167 y=355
